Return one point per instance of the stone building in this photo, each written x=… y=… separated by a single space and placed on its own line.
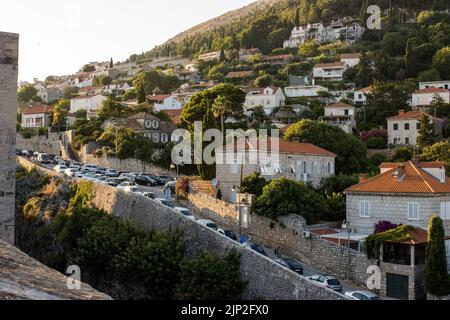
x=294 y=160
x=9 y=51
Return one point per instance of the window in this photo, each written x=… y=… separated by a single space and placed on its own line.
x=293 y=170
x=413 y=211
x=328 y=168
x=445 y=210
x=395 y=126
x=406 y=126
x=234 y=167
x=360 y=96
x=364 y=209
x=346 y=112
x=277 y=168
x=406 y=140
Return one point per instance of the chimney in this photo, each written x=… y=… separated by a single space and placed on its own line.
x=362 y=178
x=442 y=174
x=400 y=173
x=401 y=111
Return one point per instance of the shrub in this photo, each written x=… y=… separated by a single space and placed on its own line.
x=384 y=226
x=253 y=184
x=374 y=242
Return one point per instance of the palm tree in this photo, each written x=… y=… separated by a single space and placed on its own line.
x=220 y=107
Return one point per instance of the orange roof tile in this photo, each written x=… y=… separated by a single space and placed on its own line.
x=239 y=74
x=431 y=90
x=350 y=55
x=411 y=115
x=418 y=236
x=339 y=105
x=415 y=180
x=37 y=109
x=330 y=65
x=278 y=57
x=158 y=97
x=285 y=146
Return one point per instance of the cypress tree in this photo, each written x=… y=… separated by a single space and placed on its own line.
x=437 y=280
x=410 y=61
x=427 y=135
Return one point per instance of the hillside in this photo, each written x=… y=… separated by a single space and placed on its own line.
x=265 y=23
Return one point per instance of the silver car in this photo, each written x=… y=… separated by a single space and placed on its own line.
x=327 y=281
x=362 y=295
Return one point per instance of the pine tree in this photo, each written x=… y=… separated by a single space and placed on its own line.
x=437 y=280
x=427 y=135
x=363 y=72
x=410 y=61
x=111 y=63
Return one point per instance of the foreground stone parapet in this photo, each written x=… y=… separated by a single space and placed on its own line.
x=23 y=278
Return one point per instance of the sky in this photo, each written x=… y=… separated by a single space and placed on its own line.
x=58 y=37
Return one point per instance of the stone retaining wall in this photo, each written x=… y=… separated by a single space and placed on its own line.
x=50 y=145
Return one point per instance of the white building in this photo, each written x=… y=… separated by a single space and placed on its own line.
x=269 y=98
x=351 y=59
x=50 y=95
x=210 y=56
x=403 y=129
x=424 y=97
x=360 y=96
x=310 y=91
x=36 y=116
x=90 y=103
x=436 y=84
x=118 y=89
x=341 y=115
x=168 y=103
x=330 y=71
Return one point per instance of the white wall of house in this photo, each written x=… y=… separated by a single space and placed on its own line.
x=351 y=62
x=425 y=99
x=366 y=210
x=435 y=84
x=170 y=103
x=329 y=73
x=269 y=99
x=87 y=103
x=330 y=111
x=35 y=120
x=303 y=91
x=360 y=97
x=405 y=132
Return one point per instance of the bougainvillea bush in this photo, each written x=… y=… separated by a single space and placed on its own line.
x=384 y=226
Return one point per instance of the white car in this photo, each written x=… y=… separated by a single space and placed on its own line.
x=129 y=176
x=185 y=212
x=362 y=295
x=150 y=195
x=327 y=281
x=111 y=173
x=209 y=224
x=60 y=168
x=165 y=202
x=70 y=172
x=92 y=168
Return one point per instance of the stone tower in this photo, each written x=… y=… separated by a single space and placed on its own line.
x=9 y=51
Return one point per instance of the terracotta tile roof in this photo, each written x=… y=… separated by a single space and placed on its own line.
x=415 y=180
x=338 y=64
x=37 y=109
x=431 y=90
x=158 y=97
x=86 y=97
x=392 y=165
x=350 y=55
x=278 y=57
x=418 y=236
x=239 y=74
x=87 y=89
x=286 y=147
x=322 y=232
x=411 y=115
x=339 y=105
x=366 y=89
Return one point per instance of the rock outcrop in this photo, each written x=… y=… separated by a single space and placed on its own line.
x=23 y=278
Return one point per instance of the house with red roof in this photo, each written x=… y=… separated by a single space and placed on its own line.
x=403 y=129
x=273 y=158
x=360 y=95
x=269 y=98
x=424 y=97
x=403 y=193
x=36 y=116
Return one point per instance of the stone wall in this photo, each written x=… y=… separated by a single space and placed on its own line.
x=431 y=297
x=287 y=237
x=9 y=51
x=50 y=144
x=23 y=278
x=416 y=290
x=266 y=279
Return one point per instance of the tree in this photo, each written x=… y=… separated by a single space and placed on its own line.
x=253 y=184
x=337 y=184
x=351 y=152
x=439 y=151
x=60 y=111
x=210 y=277
x=129 y=94
x=70 y=92
x=427 y=134
x=263 y=81
x=437 y=280
x=410 y=59
x=363 y=72
x=402 y=155
x=394 y=43
x=27 y=93
x=429 y=75
x=110 y=109
x=220 y=108
x=441 y=109
x=309 y=48
x=441 y=61
x=276 y=38
x=111 y=63
x=284 y=196
x=88 y=68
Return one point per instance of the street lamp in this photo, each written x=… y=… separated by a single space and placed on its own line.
x=346 y=226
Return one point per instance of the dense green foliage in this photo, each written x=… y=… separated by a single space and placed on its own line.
x=253 y=184
x=439 y=151
x=351 y=152
x=437 y=279
x=28 y=93
x=375 y=241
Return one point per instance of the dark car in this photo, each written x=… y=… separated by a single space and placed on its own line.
x=158 y=181
x=228 y=233
x=292 y=264
x=145 y=181
x=256 y=247
x=166 y=179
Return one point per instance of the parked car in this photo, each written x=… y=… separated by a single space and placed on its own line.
x=362 y=295
x=70 y=172
x=26 y=153
x=101 y=171
x=43 y=158
x=124 y=184
x=111 y=173
x=113 y=182
x=145 y=181
x=327 y=281
x=255 y=247
x=149 y=195
x=165 y=202
x=92 y=168
x=158 y=181
x=166 y=179
x=228 y=233
x=208 y=223
x=60 y=168
x=185 y=212
x=292 y=264
x=129 y=176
